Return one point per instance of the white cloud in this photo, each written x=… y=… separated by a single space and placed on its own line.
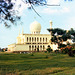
x=71 y=23
x=55 y=11
x=53 y=1
x=65 y=9
x=49 y=11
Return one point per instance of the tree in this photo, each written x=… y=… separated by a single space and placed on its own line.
x=72 y=33
x=38 y=3
x=8 y=14
x=58 y=35
x=54 y=39
x=57 y=30
x=0 y=49
x=62 y=35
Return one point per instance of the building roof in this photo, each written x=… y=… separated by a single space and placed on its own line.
x=35 y=27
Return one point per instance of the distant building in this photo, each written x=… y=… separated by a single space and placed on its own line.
x=30 y=42
x=35 y=41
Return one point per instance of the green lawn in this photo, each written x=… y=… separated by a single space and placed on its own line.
x=36 y=64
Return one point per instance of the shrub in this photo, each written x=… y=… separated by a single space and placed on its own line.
x=49 y=49
x=57 y=51
x=45 y=51
x=62 y=45
x=32 y=54
x=73 y=51
x=3 y=50
x=66 y=49
x=70 y=53
x=73 y=45
x=46 y=56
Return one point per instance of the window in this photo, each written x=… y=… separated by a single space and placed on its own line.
x=32 y=48
x=46 y=39
x=27 y=39
x=35 y=47
x=37 y=39
x=40 y=47
x=40 y=39
x=32 y=39
x=29 y=48
x=43 y=39
x=43 y=47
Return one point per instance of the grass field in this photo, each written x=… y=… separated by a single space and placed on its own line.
x=36 y=64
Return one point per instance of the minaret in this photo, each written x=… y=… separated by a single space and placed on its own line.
x=19 y=31
x=67 y=31
x=22 y=31
x=51 y=24
x=50 y=29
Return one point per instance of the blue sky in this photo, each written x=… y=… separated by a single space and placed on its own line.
x=63 y=16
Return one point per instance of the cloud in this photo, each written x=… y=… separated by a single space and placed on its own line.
x=53 y=11
x=53 y=1
x=65 y=9
x=49 y=11
x=71 y=23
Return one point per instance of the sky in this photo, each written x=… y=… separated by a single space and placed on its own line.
x=62 y=16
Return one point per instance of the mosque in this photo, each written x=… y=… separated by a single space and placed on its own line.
x=32 y=42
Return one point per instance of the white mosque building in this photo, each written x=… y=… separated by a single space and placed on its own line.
x=30 y=42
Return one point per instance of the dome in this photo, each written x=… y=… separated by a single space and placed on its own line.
x=50 y=21
x=35 y=27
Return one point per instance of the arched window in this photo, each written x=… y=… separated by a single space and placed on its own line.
x=43 y=47
x=32 y=39
x=35 y=48
x=37 y=39
x=29 y=48
x=46 y=39
x=43 y=39
x=40 y=47
x=27 y=39
x=32 y=48
x=49 y=46
x=40 y=39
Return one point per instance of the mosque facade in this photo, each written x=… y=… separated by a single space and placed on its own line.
x=32 y=42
